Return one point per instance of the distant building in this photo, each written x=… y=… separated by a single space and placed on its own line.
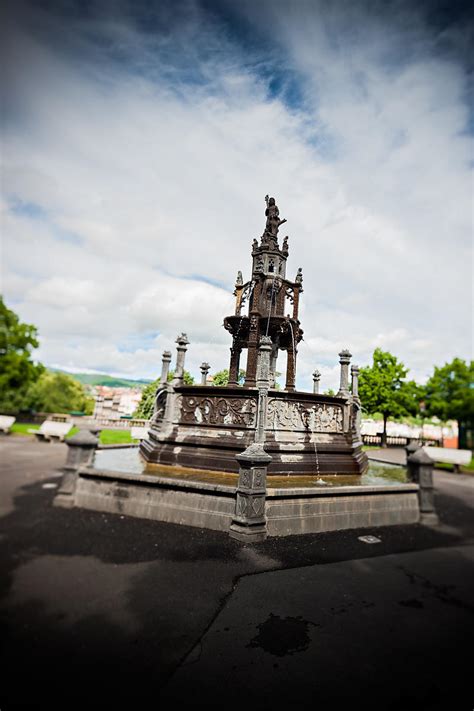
x=114 y=403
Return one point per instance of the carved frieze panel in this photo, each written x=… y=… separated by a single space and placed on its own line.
x=314 y=417
x=218 y=410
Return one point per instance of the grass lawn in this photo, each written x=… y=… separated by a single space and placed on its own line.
x=116 y=437
x=366 y=447
x=106 y=436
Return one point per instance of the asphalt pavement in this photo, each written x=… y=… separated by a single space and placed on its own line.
x=102 y=609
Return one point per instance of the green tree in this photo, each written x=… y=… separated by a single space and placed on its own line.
x=221 y=378
x=145 y=407
x=59 y=392
x=383 y=388
x=17 y=369
x=449 y=392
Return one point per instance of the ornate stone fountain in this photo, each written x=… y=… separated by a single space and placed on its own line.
x=205 y=427
x=298 y=454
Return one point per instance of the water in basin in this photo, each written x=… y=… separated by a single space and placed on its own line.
x=128 y=459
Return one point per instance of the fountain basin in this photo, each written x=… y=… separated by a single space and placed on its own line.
x=206 y=499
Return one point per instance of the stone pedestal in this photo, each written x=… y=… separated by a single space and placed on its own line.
x=80 y=453
x=249 y=524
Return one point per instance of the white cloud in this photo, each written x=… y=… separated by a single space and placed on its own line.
x=149 y=182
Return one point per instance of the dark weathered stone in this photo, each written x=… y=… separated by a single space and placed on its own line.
x=412 y=447
x=205 y=429
x=249 y=522
x=266 y=293
x=81 y=448
x=420 y=469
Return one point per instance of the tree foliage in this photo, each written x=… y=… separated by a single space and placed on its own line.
x=221 y=378
x=17 y=369
x=383 y=388
x=449 y=392
x=145 y=407
x=59 y=392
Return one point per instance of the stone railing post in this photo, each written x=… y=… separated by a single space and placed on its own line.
x=181 y=348
x=316 y=379
x=80 y=453
x=249 y=523
x=344 y=359
x=420 y=471
x=165 y=366
x=205 y=368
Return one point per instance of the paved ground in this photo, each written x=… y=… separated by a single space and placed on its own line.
x=96 y=607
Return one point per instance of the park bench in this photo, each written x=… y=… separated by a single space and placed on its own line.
x=139 y=432
x=456 y=457
x=51 y=429
x=6 y=421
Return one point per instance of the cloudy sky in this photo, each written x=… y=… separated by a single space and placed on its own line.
x=139 y=141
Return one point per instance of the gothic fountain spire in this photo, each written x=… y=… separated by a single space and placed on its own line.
x=266 y=294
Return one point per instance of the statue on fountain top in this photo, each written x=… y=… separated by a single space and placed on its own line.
x=272 y=214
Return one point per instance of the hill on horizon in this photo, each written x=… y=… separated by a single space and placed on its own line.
x=111 y=381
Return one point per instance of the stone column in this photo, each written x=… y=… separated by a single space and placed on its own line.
x=420 y=471
x=205 y=367
x=183 y=343
x=273 y=364
x=344 y=359
x=234 y=364
x=263 y=385
x=296 y=302
x=165 y=366
x=290 y=369
x=316 y=379
x=252 y=350
x=249 y=524
x=356 y=403
x=80 y=453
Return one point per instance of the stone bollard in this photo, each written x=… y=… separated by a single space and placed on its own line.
x=205 y=368
x=80 y=453
x=420 y=471
x=249 y=524
x=344 y=360
x=316 y=379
